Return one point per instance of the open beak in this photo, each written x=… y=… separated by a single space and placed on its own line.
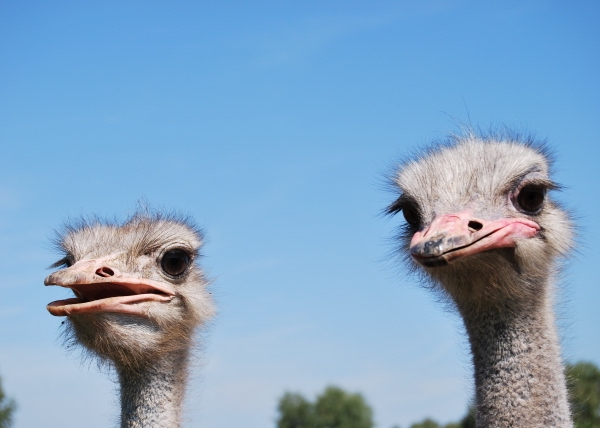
x=101 y=288
x=453 y=236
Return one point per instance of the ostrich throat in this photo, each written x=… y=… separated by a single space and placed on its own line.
x=151 y=396
x=515 y=348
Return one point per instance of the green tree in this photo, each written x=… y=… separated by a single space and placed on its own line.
x=295 y=412
x=334 y=408
x=7 y=407
x=584 y=393
x=468 y=421
x=427 y=423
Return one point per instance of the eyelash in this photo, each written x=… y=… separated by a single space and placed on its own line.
x=65 y=262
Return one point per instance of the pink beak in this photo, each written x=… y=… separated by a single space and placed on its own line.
x=100 y=287
x=453 y=236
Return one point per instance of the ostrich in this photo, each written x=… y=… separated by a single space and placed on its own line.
x=481 y=227
x=139 y=297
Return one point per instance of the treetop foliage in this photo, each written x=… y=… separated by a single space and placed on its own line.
x=334 y=408
x=7 y=407
x=468 y=421
x=583 y=381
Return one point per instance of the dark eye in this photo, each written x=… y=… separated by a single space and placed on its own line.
x=175 y=262
x=531 y=198
x=411 y=214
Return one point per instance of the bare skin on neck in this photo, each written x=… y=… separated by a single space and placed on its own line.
x=153 y=396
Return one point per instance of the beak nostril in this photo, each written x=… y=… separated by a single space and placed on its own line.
x=474 y=226
x=105 y=272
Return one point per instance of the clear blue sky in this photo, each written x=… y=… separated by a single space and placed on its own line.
x=272 y=124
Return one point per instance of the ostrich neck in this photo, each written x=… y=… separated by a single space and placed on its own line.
x=518 y=370
x=152 y=396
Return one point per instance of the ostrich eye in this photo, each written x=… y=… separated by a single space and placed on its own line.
x=175 y=262
x=531 y=198
x=410 y=210
x=411 y=214
x=65 y=262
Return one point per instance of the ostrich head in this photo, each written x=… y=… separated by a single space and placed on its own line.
x=479 y=220
x=138 y=290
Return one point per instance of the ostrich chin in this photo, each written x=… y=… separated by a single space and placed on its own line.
x=130 y=340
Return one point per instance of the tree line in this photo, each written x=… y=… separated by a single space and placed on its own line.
x=336 y=408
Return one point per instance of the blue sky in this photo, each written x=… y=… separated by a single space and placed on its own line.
x=272 y=124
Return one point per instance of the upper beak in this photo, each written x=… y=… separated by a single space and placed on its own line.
x=458 y=235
